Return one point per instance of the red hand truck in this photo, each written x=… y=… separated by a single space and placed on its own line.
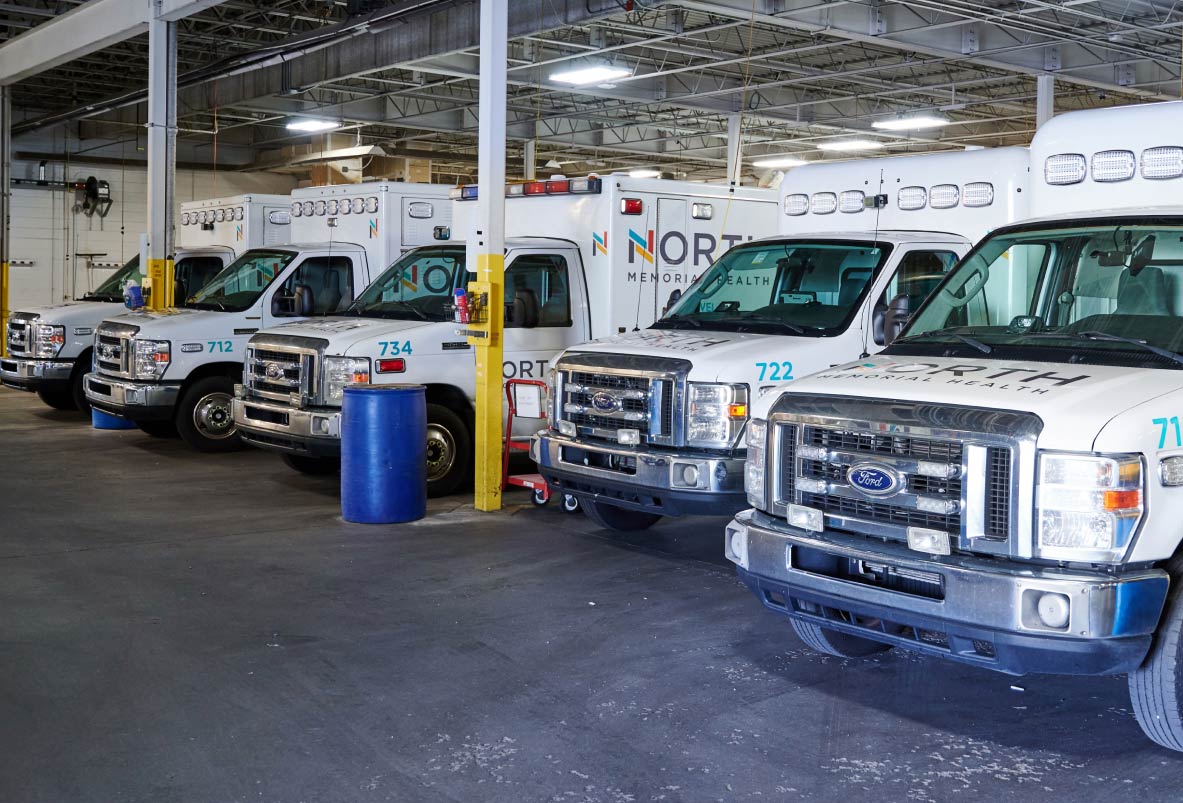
x=540 y=491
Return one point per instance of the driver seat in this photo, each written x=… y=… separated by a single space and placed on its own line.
x=330 y=297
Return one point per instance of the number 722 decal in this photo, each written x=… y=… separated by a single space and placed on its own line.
x=775 y=371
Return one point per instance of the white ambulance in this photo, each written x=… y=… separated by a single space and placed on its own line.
x=49 y=348
x=1003 y=485
x=650 y=423
x=584 y=257
x=176 y=369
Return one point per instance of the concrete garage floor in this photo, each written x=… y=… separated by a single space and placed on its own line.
x=225 y=637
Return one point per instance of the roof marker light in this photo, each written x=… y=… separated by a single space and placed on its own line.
x=977 y=194
x=468 y=193
x=1162 y=162
x=536 y=188
x=631 y=206
x=823 y=203
x=321 y=206
x=1064 y=168
x=943 y=196
x=558 y=187
x=796 y=204
x=1118 y=165
x=514 y=190
x=851 y=201
x=912 y=198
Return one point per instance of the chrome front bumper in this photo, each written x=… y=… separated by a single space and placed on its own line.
x=274 y=425
x=27 y=373
x=138 y=401
x=670 y=483
x=972 y=609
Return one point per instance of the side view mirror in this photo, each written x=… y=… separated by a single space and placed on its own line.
x=896 y=317
x=524 y=313
x=675 y=297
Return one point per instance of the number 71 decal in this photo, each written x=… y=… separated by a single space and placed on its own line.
x=776 y=371
x=1168 y=423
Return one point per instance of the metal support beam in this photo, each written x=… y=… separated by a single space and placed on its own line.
x=1045 y=99
x=734 y=146
x=488 y=246
x=530 y=160
x=86 y=29
x=5 y=197
x=162 y=158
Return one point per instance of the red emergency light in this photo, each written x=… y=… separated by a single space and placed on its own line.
x=631 y=206
x=395 y=366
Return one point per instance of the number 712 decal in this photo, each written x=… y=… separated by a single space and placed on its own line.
x=221 y=346
x=1168 y=424
x=775 y=371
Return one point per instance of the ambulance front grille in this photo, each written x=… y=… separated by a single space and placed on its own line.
x=20 y=335
x=602 y=403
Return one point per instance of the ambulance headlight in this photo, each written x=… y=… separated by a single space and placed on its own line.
x=753 y=470
x=1088 y=506
x=151 y=358
x=342 y=371
x=49 y=339
x=716 y=414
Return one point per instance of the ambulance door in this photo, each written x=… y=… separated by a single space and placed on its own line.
x=671 y=255
x=542 y=314
x=919 y=269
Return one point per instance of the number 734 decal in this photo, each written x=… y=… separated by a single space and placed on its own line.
x=775 y=371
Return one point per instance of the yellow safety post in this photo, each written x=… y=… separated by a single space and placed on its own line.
x=5 y=197
x=487 y=251
x=161 y=280
x=486 y=336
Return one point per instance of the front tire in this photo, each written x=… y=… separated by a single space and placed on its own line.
x=312 y=466
x=839 y=645
x=449 y=450
x=1156 y=687
x=158 y=429
x=58 y=399
x=611 y=517
x=203 y=416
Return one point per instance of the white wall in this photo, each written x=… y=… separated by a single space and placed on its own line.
x=46 y=230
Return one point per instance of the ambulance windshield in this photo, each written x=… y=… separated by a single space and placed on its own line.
x=418 y=286
x=112 y=288
x=242 y=281
x=795 y=286
x=1104 y=291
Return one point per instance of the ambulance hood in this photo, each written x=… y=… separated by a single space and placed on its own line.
x=1074 y=401
x=712 y=353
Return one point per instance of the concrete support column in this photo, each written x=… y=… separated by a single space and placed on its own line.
x=488 y=248
x=734 y=143
x=5 y=198
x=530 y=160
x=1045 y=99
x=162 y=158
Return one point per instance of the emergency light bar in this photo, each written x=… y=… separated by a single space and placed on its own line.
x=555 y=186
x=944 y=196
x=1113 y=165
x=211 y=215
x=823 y=203
x=911 y=198
x=1164 y=162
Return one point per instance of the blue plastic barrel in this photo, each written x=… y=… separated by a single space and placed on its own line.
x=101 y=420
x=384 y=453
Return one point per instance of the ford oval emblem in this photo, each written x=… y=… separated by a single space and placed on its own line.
x=605 y=402
x=872 y=479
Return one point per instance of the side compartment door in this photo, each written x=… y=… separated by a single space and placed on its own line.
x=326 y=285
x=919 y=270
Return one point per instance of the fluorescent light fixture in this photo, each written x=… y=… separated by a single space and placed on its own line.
x=644 y=172
x=850 y=145
x=911 y=123
x=312 y=125
x=778 y=161
x=591 y=74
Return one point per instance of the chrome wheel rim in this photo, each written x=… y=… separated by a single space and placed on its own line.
x=212 y=417
x=441 y=452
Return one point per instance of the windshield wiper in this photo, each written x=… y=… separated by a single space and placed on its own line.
x=1108 y=338
x=966 y=339
x=683 y=319
x=752 y=318
x=210 y=305
x=408 y=305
